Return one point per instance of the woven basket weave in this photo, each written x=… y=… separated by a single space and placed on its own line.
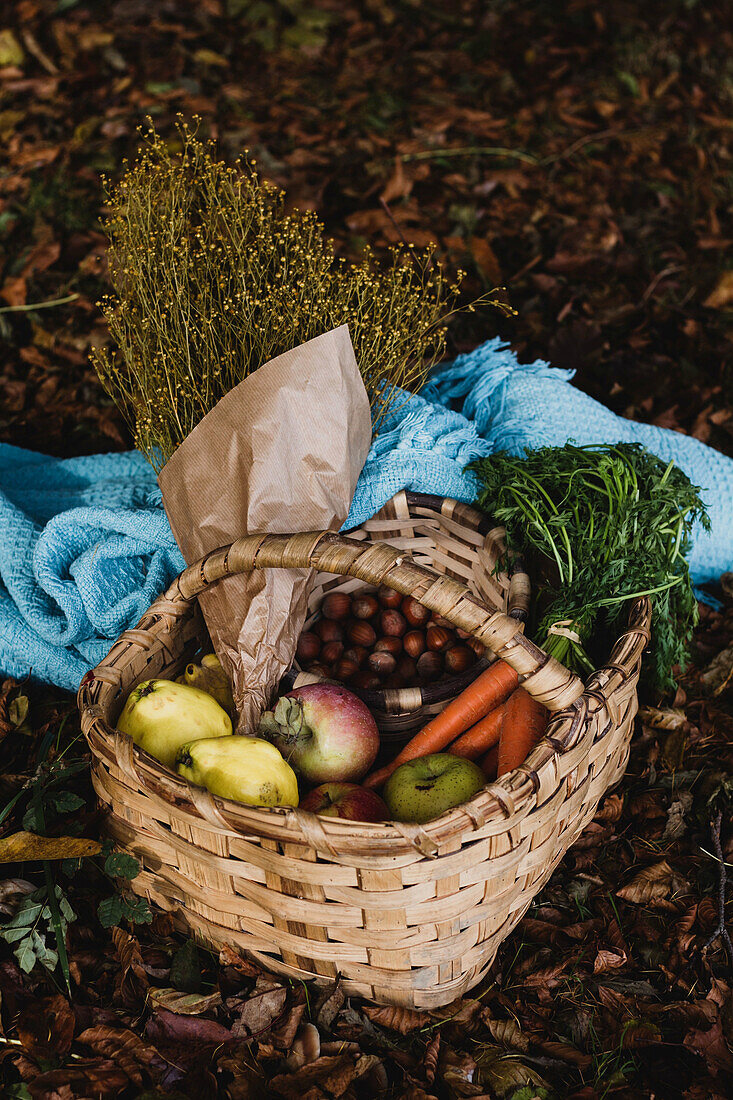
x=404 y=914
x=453 y=539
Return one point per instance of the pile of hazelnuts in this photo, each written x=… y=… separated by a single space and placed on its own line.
x=381 y=639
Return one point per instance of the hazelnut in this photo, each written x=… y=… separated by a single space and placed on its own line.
x=364 y=607
x=430 y=666
x=357 y=654
x=308 y=647
x=336 y=605
x=331 y=652
x=392 y=623
x=415 y=613
x=438 y=638
x=414 y=643
x=388 y=597
x=382 y=663
x=458 y=658
x=345 y=669
x=361 y=633
x=329 y=631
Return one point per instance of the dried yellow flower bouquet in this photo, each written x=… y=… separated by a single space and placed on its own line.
x=212 y=278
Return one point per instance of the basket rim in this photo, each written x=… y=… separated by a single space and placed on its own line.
x=514 y=795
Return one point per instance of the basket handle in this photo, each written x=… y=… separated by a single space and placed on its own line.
x=378 y=563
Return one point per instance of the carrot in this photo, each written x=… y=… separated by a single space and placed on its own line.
x=476 y=740
x=489 y=763
x=487 y=691
x=523 y=727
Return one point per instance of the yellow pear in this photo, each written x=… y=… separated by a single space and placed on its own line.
x=246 y=769
x=209 y=676
x=161 y=715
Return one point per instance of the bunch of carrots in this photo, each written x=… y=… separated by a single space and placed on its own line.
x=494 y=722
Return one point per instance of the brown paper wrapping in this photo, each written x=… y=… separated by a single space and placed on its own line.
x=280 y=453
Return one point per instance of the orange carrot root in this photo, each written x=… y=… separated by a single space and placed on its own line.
x=488 y=691
x=524 y=724
x=474 y=742
x=490 y=762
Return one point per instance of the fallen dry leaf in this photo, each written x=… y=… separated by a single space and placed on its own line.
x=284 y=1031
x=505 y=1074
x=713 y=1047
x=608 y=960
x=668 y=718
x=122 y=1046
x=639 y=1033
x=46 y=1028
x=96 y=1077
x=718 y=675
x=258 y=1013
x=462 y=1013
x=430 y=1058
x=11 y=51
x=329 y=1067
x=14 y=291
x=12 y=891
x=564 y=1052
x=20 y=847
x=229 y=957
x=486 y=261
x=396 y=1018
x=194 y=1030
x=610 y=809
x=132 y=980
x=329 y=1004
x=722 y=295
x=508 y=1034
x=40 y=258
x=398 y=186
x=185 y=1004
x=651 y=883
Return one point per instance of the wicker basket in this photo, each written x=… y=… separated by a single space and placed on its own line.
x=453 y=539
x=404 y=914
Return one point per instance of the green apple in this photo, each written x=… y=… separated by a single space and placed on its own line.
x=161 y=715
x=246 y=769
x=420 y=790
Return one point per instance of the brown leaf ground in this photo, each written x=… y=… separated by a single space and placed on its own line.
x=578 y=153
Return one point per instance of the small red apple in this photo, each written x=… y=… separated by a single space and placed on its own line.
x=346 y=800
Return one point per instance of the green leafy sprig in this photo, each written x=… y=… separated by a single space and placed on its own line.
x=603 y=524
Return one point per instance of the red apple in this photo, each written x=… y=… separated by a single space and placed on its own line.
x=324 y=732
x=346 y=800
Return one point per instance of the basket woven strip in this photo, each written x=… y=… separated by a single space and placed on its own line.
x=405 y=914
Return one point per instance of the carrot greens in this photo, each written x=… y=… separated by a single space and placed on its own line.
x=603 y=524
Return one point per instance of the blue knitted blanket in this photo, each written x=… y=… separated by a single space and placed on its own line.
x=85 y=545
